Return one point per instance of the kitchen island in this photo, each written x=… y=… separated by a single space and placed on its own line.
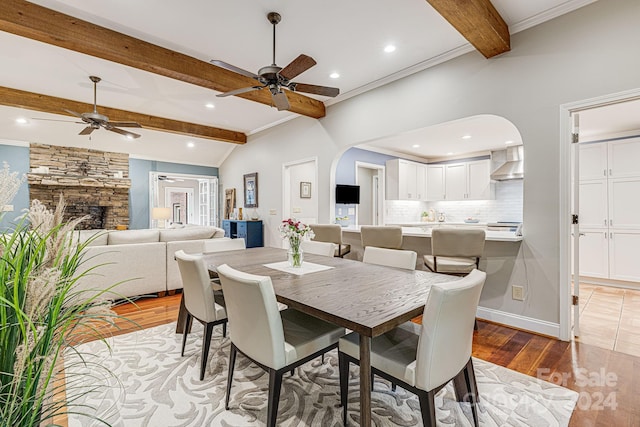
x=503 y=262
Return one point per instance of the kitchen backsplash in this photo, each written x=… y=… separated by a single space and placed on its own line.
x=507 y=206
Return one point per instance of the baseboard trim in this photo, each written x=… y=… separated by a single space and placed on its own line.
x=520 y=322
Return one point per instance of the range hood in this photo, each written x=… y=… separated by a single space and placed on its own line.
x=513 y=168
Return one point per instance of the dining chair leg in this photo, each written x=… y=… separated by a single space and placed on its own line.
x=232 y=362
x=470 y=376
x=343 y=369
x=393 y=387
x=206 y=343
x=224 y=330
x=427 y=407
x=275 y=383
x=323 y=358
x=185 y=332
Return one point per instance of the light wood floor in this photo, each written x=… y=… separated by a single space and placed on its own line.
x=608 y=381
x=610 y=318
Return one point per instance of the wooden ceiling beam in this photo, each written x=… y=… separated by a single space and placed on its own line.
x=48 y=26
x=479 y=22
x=51 y=104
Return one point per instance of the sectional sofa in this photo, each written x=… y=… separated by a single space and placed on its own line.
x=137 y=262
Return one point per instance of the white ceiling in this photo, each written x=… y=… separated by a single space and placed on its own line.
x=347 y=37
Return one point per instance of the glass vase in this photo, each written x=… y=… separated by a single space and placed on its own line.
x=295 y=254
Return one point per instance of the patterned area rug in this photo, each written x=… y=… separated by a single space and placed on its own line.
x=149 y=384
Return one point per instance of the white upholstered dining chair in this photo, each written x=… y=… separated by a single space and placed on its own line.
x=331 y=233
x=424 y=358
x=221 y=245
x=276 y=341
x=319 y=248
x=199 y=301
x=455 y=250
x=390 y=257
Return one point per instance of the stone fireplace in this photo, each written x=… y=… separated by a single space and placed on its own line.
x=94 y=183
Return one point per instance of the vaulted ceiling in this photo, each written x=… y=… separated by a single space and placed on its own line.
x=153 y=57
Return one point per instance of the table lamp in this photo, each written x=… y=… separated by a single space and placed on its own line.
x=161 y=215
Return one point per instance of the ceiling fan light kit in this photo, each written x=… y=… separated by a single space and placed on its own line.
x=95 y=120
x=276 y=78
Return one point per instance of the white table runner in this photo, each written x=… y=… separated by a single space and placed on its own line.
x=306 y=268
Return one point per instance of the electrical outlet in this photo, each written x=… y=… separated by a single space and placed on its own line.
x=517 y=293
x=297 y=210
x=352 y=211
x=272 y=212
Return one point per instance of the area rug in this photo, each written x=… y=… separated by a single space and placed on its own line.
x=143 y=381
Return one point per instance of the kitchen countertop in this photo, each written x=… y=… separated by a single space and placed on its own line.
x=495 y=236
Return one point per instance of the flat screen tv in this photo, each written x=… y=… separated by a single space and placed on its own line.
x=347 y=194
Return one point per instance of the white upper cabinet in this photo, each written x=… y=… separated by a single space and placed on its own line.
x=435 y=182
x=405 y=180
x=593 y=161
x=478 y=180
x=624 y=158
x=455 y=181
x=624 y=203
x=468 y=181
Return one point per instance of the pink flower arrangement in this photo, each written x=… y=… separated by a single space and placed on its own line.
x=291 y=228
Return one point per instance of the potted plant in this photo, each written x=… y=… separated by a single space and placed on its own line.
x=42 y=312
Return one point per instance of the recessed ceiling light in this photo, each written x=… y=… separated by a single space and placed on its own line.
x=508 y=142
x=466 y=137
x=130 y=137
x=334 y=75
x=449 y=153
x=22 y=121
x=209 y=105
x=416 y=145
x=389 y=48
x=190 y=144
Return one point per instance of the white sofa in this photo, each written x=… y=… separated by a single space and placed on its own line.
x=138 y=262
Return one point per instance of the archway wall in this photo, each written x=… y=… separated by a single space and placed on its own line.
x=584 y=54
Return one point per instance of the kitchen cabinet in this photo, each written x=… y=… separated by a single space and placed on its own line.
x=468 y=181
x=623 y=255
x=609 y=223
x=405 y=180
x=435 y=182
x=250 y=231
x=594 y=253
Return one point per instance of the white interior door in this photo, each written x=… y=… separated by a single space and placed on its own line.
x=575 y=226
x=370 y=178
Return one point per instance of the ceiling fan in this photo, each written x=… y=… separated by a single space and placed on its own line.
x=277 y=78
x=95 y=120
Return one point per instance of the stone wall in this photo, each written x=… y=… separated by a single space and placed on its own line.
x=93 y=182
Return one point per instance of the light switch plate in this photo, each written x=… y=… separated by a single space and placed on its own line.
x=517 y=293
x=273 y=212
x=297 y=210
x=6 y=208
x=352 y=211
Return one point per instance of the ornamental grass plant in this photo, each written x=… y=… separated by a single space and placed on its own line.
x=41 y=312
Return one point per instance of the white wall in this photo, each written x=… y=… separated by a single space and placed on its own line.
x=304 y=209
x=587 y=53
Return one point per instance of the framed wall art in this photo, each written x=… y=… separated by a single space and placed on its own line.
x=305 y=190
x=251 y=190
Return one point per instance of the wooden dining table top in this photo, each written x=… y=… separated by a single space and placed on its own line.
x=366 y=298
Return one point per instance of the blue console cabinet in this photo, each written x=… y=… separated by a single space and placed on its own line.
x=250 y=231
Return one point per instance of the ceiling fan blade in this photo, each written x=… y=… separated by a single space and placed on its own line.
x=280 y=100
x=87 y=130
x=239 y=91
x=74 y=113
x=126 y=124
x=316 y=90
x=54 y=120
x=233 y=68
x=298 y=66
x=123 y=132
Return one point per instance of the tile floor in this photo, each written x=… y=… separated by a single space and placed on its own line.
x=610 y=318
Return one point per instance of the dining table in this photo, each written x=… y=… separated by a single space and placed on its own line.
x=368 y=299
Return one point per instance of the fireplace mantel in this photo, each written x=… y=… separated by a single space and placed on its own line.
x=76 y=181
